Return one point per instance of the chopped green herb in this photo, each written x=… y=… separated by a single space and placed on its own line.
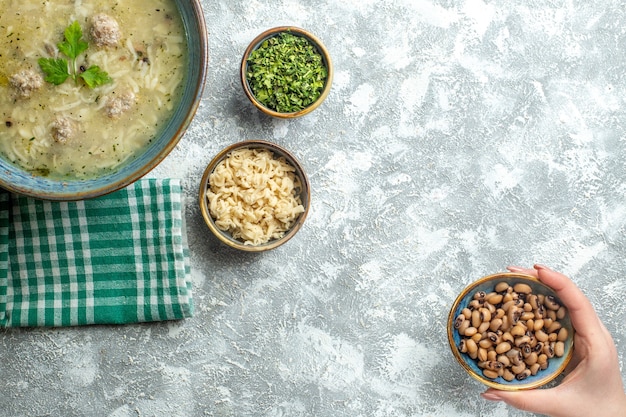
x=57 y=70
x=286 y=73
x=94 y=76
x=41 y=171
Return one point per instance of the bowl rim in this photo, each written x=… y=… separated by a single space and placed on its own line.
x=305 y=195
x=462 y=360
x=275 y=31
x=82 y=189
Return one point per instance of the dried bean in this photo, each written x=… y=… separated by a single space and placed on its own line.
x=513 y=315
x=484 y=326
x=540 y=312
x=504 y=360
x=494 y=338
x=476 y=318
x=522 y=340
x=465 y=324
x=508 y=375
x=463 y=346
x=480 y=295
x=534 y=368
x=531 y=359
x=559 y=349
x=522 y=288
x=494 y=299
x=518 y=369
x=505 y=323
x=515 y=356
x=551 y=314
x=485 y=343
x=541 y=336
x=518 y=330
x=490 y=374
x=503 y=347
x=523 y=375
x=554 y=327
x=526 y=349
x=471 y=346
x=551 y=303
x=493 y=365
x=482 y=354
x=495 y=324
x=485 y=314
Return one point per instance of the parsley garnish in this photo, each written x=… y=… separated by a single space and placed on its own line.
x=57 y=70
x=286 y=73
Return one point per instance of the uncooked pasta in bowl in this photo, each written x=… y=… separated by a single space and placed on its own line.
x=254 y=195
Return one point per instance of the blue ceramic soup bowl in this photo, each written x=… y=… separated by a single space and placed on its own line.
x=18 y=180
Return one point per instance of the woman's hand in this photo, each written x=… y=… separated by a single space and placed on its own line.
x=594 y=385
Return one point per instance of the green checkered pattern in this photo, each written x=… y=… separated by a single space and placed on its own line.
x=120 y=258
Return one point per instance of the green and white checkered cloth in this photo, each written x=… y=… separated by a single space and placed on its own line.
x=120 y=258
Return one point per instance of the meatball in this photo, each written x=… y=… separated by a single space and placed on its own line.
x=62 y=129
x=118 y=105
x=104 y=30
x=25 y=82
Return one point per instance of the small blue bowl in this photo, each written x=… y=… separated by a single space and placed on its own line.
x=556 y=365
x=18 y=180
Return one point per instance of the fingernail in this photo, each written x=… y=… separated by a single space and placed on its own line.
x=515 y=268
x=490 y=396
x=539 y=266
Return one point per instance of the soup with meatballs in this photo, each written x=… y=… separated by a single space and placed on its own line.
x=86 y=85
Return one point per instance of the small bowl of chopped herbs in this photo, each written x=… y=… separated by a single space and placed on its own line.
x=286 y=72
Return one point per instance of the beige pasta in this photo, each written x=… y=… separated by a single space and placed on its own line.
x=254 y=196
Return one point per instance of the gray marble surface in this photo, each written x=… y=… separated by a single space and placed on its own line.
x=460 y=136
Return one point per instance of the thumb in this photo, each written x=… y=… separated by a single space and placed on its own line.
x=539 y=401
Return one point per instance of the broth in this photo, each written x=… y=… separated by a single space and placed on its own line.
x=71 y=131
